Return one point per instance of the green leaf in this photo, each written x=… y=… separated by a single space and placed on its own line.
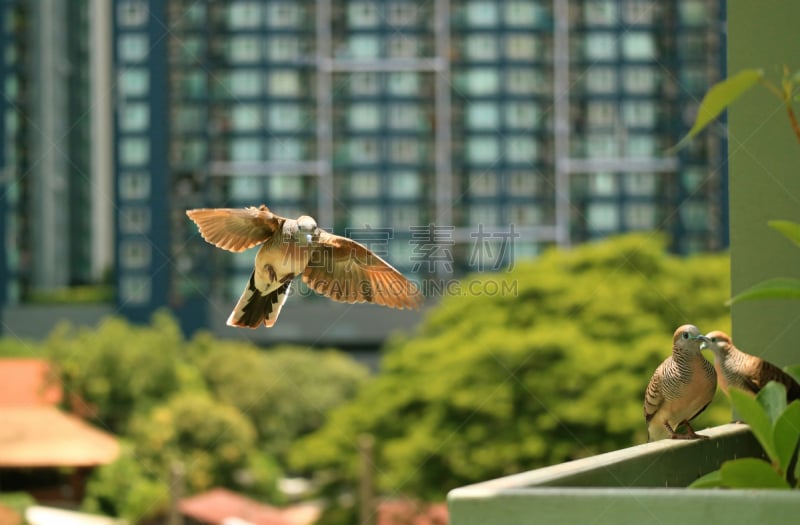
x=751 y=473
x=793 y=370
x=719 y=97
x=711 y=480
x=777 y=288
x=754 y=415
x=789 y=229
x=786 y=433
x=773 y=399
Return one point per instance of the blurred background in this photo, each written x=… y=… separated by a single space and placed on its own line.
x=477 y=145
x=428 y=122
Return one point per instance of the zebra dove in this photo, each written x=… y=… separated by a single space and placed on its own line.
x=744 y=371
x=680 y=389
x=335 y=266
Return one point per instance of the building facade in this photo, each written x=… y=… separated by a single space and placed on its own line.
x=449 y=135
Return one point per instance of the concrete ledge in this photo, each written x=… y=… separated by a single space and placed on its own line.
x=633 y=485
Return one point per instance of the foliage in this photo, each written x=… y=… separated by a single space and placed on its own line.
x=778 y=287
x=127 y=489
x=211 y=439
x=17 y=501
x=491 y=385
x=118 y=368
x=287 y=392
x=776 y=426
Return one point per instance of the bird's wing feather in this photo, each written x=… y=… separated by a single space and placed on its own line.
x=348 y=271
x=236 y=229
x=654 y=397
x=768 y=372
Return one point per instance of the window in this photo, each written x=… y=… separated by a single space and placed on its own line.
x=483 y=150
x=641 y=12
x=134 y=151
x=601 y=114
x=483 y=115
x=694 y=215
x=524 y=81
x=602 y=216
x=244 y=188
x=132 y=47
x=283 y=48
x=193 y=151
x=600 y=12
x=481 y=13
x=136 y=289
x=485 y=214
x=364 y=84
x=639 y=114
x=524 y=215
x=286 y=187
x=364 y=46
x=522 y=183
x=242 y=49
x=601 y=146
x=523 y=115
x=191 y=48
x=402 y=14
x=132 y=12
x=246 y=150
x=602 y=184
x=638 y=46
x=134 y=185
x=134 y=219
x=404 y=150
x=521 y=149
x=639 y=79
x=692 y=178
x=363 y=215
x=640 y=184
x=362 y=14
x=523 y=13
x=284 y=83
x=135 y=254
x=194 y=84
x=404 y=216
x=640 y=216
x=134 y=116
x=483 y=184
x=285 y=117
x=404 y=184
x=244 y=14
x=284 y=14
x=245 y=117
x=244 y=83
x=364 y=150
x=364 y=116
x=365 y=184
x=403 y=46
x=288 y=149
x=405 y=116
x=522 y=47
x=601 y=80
x=481 y=81
x=403 y=83
x=693 y=12
x=190 y=118
x=640 y=146
x=480 y=47
x=600 y=46
x=134 y=82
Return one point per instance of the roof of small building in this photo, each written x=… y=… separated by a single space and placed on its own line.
x=220 y=505
x=27 y=381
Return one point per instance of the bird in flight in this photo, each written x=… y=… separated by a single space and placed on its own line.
x=744 y=371
x=335 y=266
x=681 y=387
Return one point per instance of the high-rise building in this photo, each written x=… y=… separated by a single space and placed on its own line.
x=450 y=135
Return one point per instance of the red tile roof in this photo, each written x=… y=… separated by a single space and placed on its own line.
x=218 y=505
x=27 y=382
x=409 y=512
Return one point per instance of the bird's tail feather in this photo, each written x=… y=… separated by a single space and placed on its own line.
x=255 y=308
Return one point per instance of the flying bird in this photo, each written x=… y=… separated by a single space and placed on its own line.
x=744 y=371
x=681 y=387
x=335 y=266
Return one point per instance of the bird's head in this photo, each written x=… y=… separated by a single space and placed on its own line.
x=717 y=341
x=306 y=229
x=689 y=338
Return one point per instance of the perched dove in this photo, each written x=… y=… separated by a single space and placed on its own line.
x=335 y=266
x=681 y=387
x=744 y=371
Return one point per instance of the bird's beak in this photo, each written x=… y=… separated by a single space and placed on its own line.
x=308 y=238
x=705 y=342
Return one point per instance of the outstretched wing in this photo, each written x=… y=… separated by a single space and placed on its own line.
x=236 y=229
x=348 y=271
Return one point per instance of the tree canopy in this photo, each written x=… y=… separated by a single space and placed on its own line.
x=497 y=384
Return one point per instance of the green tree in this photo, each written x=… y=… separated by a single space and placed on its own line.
x=494 y=385
x=286 y=392
x=119 y=368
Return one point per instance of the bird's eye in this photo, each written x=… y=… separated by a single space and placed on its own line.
x=713 y=339
x=686 y=335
